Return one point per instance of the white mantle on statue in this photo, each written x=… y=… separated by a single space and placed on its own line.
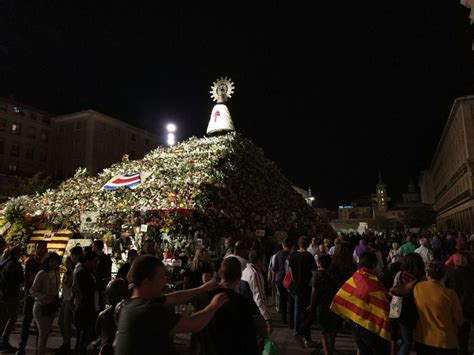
x=220 y=120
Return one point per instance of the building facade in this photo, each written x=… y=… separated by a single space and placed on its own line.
x=34 y=141
x=25 y=142
x=452 y=170
x=93 y=140
x=425 y=183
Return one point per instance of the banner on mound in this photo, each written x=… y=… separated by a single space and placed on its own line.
x=56 y=241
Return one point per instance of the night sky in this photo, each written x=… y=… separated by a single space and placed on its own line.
x=332 y=92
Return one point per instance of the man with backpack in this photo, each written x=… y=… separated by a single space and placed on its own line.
x=11 y=277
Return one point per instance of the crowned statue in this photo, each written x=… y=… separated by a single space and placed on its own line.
x=220 y=121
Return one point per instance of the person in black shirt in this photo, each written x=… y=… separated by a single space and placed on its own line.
x=103 y=271
x=198 y=270
x=146 y=324
x=125 y=268
x=32 y=267
x=12 y=276
x=302 y=265
x=106 y=327
x=279 y=270
x=233 y=319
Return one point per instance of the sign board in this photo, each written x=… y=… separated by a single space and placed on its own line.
x=280 y=236
x=144 y=228
x=88 y=221
x=260 y=232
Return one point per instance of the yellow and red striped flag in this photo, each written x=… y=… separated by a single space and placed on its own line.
x=363 y=300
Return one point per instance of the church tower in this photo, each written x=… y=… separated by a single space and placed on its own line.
x=381 y=198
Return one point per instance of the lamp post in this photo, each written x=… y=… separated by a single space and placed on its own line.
x=170 y=137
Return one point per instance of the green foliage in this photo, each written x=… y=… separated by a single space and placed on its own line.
x=18 y=235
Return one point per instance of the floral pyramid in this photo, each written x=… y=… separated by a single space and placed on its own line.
x=217 y=184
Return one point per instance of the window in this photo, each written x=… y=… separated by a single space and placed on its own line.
x=17 y=109
x=31 y=132
x=134 y=137
x=43 y=155
x=16 y=128
x=46 y=120
x=2 y=147
x=15 y=150
x=132 y=155
x=30 y=152
x=78 y=125
x=33 y=116
x=12 y=166
x=3 y=124
x=44 y=136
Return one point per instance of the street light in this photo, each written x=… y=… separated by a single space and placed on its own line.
x=171 y=127
x=171 y=138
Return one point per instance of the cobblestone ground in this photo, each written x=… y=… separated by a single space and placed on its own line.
x=281 y=335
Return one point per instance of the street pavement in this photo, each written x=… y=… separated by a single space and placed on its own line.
x=281 y=335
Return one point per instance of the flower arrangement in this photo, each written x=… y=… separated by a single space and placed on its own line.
x=221 y=185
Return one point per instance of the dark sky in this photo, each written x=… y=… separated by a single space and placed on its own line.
x=332 y=92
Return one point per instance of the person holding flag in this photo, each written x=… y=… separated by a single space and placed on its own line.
x=363 y=301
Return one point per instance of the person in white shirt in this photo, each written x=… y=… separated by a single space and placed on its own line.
x=313 y=248
x=253 y=275
x=425 y=253
x=240 y=252
x=332 y=249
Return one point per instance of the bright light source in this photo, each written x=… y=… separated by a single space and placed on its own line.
x=171 y=139
x=170 y=127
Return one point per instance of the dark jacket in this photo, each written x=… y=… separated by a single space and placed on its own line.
x=461 y=280
x=12 y=274
x=84 y=288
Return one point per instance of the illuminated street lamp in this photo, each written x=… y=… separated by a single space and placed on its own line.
x=171 y=127
x=171 y=138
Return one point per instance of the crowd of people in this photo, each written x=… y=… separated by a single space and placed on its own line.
x=395 y=293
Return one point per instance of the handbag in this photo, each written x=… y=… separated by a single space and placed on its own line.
x=395 y=307
x=288 y=280
x=409 y=313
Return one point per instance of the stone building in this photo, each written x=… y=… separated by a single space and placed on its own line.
x=450 y=177
x=34 y=141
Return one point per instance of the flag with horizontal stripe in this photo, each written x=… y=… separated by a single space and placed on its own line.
x=56 y=241
x=363 y=300
x=126 y=180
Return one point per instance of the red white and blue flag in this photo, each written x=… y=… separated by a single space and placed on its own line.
x=126 y=180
